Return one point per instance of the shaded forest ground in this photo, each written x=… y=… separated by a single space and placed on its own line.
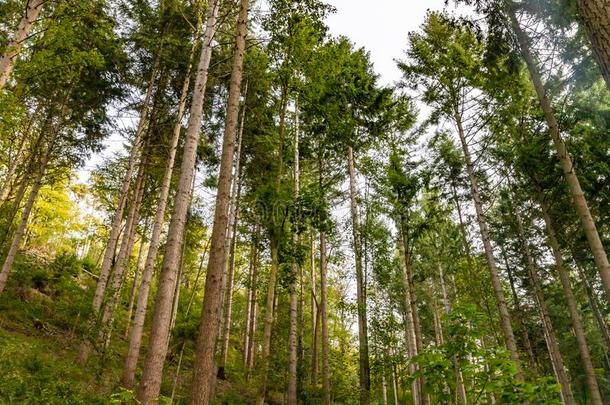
x=41 y=325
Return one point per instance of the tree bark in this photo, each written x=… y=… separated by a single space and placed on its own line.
x=25 y=215
x=135 y=339
x=124 y=255
x=117 y=221
x=315 y=319
x=234 y=218
x=507 y=328
x=12 y=168
x=293 y=332
x=269 y=317
x=7 y=61
x=394 y=384
x=251 y=301
x=384 y=390
x=157 y=347
x=462 y=398
x=363 y=347
x=596 y=19
x=324 y=315
x=409 y=323
x=203 y=374
x=518 y=313
x=134 y=286
x=569 y=171
x=547 y=325
x=577 y=326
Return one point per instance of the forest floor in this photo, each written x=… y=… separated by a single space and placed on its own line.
x=40 y=332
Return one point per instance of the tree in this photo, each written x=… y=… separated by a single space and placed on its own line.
x=7 y=60
x=204 y=375
x=151 y=380
x=451 y=74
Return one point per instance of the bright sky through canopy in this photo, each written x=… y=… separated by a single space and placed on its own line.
x=381 y=26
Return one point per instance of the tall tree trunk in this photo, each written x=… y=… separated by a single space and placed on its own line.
x=596 y=19
x=468 y=253
x=186 y=313
x=232 y=240
x=135 y=339
x=593 y=303
x=384 y=389
x=250 y=298
x=507 y=328
x=324 y=315
x=409 y=323
x=203 y=375
x=122 y=261
x=25 y=215
x=527 y=343
x=12 y=167
x=363 y=346
x=462 y=398
x=117 y=221
x=547 y=325
x=569 y=171
x=134 y=286
x=274 y=246
x=293 y=332
x=30 y=170
x=315 y=310
x=7 y=61
x=394 y=384
x=157 y=347
x=577 y=326
x=269 y=317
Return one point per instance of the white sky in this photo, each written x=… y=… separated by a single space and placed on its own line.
x=380 y=26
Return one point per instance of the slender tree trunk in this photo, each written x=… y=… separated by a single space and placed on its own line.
x=394 y=384
x=187 y=312
x=134 y=286
x=203 y=375
x=250 y=298
x=364 y=367
x=274 y=246
x=135 y=339
x=527 y=343
x=577 y=326
x=253 y=321
x=468 y=253
x=117 y=221
x=462 y=398
x=25 y=215
x=324 y=314
x=124 y=255
x=293 y=332
x=592 y=298
x=12 y=168
x=596 y=19
x=547 y=325
x=29 y=172
x=232 y=239
x=133 y=291
x=157 y=347
x=507 y=328
x=569 y=171
x=315 y=319
x=269 y=317
x=384 y=390
x=7 y=61
x=228 y=299
x=409 y=324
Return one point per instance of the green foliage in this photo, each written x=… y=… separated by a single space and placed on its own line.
x=488 y=371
